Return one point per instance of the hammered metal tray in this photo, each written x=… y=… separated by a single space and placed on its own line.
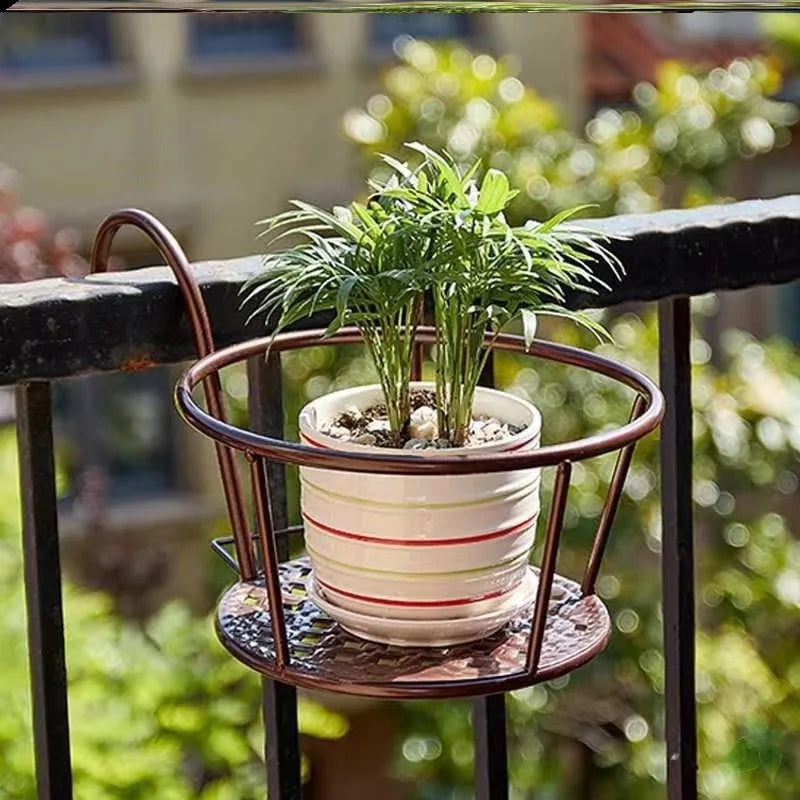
x=324 y=656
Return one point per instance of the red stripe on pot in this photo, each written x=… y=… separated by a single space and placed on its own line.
x=306 y=440
x=383 y=601
x=481 y=537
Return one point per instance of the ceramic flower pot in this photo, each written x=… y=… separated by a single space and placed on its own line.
x=431 y=553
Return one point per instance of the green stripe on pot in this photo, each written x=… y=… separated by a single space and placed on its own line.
x=356 y=501
x=413 y=577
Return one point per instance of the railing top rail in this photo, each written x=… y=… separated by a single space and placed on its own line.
x=61 y=327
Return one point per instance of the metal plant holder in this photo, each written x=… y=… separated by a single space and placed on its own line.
x=266 y=619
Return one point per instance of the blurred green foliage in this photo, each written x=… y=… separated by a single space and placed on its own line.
x=672 y=146
x=603 y=725
x=783 y=31
x=599 y=733
x=157 y=711
x=161 y=711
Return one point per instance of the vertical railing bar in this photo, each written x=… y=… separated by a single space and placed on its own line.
x=279 y=700
x=555 y=523
x=269 y=559
x=279 y=705
x=677 y=543
x=46 y=652
x=417 y=360
x=610 y=507
x=491 y=747
x=489 y=712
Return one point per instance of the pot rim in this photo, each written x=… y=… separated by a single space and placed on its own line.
x=312 y=436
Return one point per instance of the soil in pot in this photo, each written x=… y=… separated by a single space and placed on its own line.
x=370 y=426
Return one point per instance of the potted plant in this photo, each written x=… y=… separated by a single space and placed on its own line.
x=410 y=559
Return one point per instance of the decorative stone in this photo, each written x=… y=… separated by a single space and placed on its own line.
x=423 y=430
x=365 y=438
x=424 y=414
x=378 y=425
x=491 y=430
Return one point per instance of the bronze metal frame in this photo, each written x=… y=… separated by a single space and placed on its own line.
x=646 y=414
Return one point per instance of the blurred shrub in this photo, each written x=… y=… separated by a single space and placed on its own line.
x=672 y=146
x=28 y=248
x=603 y=725
x=157 y=711
x=599 y=733
x=783 y=32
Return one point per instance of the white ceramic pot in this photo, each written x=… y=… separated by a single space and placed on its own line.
x=427 y=548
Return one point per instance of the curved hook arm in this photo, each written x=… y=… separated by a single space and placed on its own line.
x=173 y=255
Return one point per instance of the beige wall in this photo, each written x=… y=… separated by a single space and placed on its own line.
x=210 y=151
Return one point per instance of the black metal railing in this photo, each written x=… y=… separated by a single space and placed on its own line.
x=57 y=328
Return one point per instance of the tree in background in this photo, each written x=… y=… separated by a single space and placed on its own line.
x=28 y=250
x=783 y=32
x=674 y=144
x=157 y=710
x=602 y=737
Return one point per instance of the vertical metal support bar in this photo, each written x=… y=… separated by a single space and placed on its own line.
x=265 y=408
x=610 y=508
x=43 y=591
x=491 y=758
x=489 y=713
x=269 y=559
x=555 y=522
x=173 y=254
x=279 y=700
x=677 y=544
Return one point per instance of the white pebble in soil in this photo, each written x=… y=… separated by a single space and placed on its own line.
x=488 y=429
x=336 y=431
x=423 y=424
x=378 y=425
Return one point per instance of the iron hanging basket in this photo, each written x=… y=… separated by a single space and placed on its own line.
x=268 y=621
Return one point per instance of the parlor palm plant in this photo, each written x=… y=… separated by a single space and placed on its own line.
x=428 y=231
x=413 y=559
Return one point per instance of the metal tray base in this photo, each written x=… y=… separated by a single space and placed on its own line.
x=324 y=656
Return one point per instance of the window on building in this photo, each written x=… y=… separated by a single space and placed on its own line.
x=430 y=25
x=51 y=41
x=119 y=426
x=243 y=36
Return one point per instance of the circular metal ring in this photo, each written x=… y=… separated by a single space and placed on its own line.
x=306 y=455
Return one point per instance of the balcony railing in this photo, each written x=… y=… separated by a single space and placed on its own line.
x=57 y=328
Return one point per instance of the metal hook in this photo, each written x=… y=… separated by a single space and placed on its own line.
x=174 y=256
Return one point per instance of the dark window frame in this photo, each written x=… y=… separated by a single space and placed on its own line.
x=382 y=43
x=60 y=42
x=202 y=49
x=84 y=410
